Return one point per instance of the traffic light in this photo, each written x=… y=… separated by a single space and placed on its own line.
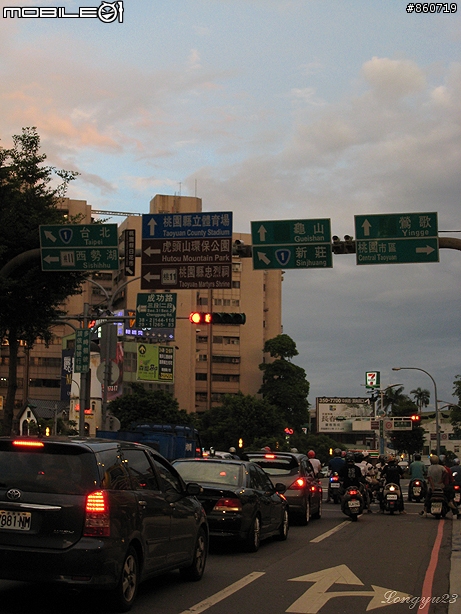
x=234 y=319
x=416 y=420
x=343 y=247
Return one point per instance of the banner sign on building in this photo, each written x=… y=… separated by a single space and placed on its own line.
x=66 y=373
x=155 y=363
x=337 y=414
x=82 y=351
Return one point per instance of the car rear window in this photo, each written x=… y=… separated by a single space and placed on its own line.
x=207 y=471
x=276 y=465
x=43 y=471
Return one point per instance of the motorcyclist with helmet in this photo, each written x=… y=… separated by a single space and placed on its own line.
x=316 y=464
x=417 y=469
x=350 y=474
x=335 y=465
x=436 y=479
x=391 y=473
x=456 y=471
x=448 y=481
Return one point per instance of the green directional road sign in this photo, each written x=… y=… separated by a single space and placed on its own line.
x=291 y=244
x=396 y=238
x=79 y=247
x=82 y=350
x=156 y=310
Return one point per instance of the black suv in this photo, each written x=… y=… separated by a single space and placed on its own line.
x=96 y=513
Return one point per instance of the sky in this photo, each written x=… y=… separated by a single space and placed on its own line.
x=275 y=110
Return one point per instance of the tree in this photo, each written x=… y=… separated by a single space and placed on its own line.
x=421 y=397
x=455 y=410
x=143 y=406
x=407 y=441
x=392 y=397
x=244 y=417
x=30 y=299
x=284 y=384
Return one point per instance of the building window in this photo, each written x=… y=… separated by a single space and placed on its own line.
x=235 y=302
x=235 y=360
x=201 y=397
x=201 y=339
x=236 y=267
x=201 y=377
x=236 y=284
x=202 y=357
x=218 y=377
x=202 y=300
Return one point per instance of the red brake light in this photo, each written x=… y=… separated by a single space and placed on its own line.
x=456 y=486
x=298 y=484
x=228 y=505
x=269 y=455
x=353 y=492
x=97 y=518
x=28 y=443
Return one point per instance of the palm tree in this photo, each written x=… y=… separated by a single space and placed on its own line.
x=392 y=396
x=421 y=397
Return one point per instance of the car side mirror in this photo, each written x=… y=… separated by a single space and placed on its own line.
x=280 y=488
x=193 y=489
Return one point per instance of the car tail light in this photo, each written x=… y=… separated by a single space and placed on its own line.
x=97 y=517
x=228 y=505
x=269 y=455
x=26 y=443
x=456 y=486
x=298 y=484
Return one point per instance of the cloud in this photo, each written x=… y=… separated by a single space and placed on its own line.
x=393 y=79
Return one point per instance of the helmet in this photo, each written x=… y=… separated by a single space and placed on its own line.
x=311 y=454
x=358 y=457
x=434 y=459
x=456 y=461
x=337 y=452
x=232 y=450
x=294 y=450
x=442 y=459
x=417 y=456
x=266 y=449
x=350 y=457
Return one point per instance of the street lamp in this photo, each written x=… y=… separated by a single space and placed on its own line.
x=437 y=425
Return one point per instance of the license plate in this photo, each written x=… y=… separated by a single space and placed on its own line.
x=15 y=521
x=457 y=497
x=436 y=508
x=417 y=490
x=335 y=485
x=354 y=503
x=392 y=497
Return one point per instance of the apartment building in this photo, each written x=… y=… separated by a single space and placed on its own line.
x=209 y=361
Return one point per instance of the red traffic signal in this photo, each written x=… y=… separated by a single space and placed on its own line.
x=234 y=319
x=415 y=418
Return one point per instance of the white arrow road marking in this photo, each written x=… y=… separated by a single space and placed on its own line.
x=49 y=235
x=425 y=250
x=366 y=228
x=262 y=256
x=229 y=590
x=317 y=596
x=262 y=233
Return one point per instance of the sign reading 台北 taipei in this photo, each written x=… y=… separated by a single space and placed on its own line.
x=186 y=251
x=396 y=238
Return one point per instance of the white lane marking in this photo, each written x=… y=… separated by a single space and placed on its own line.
x=319 y=538
x=233 y=588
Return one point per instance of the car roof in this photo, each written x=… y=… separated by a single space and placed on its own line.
x=91 y=443
x=211 y=459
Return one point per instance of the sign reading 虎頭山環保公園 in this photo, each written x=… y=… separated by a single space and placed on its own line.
x=292 y=244
x=396 y=238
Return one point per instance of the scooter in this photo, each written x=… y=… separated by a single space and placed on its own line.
x=391 y=498
x=334 y=488
x=457 y=494
x=352 y=503
x=438 y=505
x=417 y=490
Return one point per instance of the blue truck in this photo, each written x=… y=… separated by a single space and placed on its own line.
x=171 y=440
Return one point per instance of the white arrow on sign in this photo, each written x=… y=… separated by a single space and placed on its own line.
x=262 y=256
x=366 y=228
x=149 y=251
x=262 y=233
x=152 y=224
x=150 y=277
x=317 y=595
x=50 y=259
x=49 y=235
x=425 y=250
x=141 y=308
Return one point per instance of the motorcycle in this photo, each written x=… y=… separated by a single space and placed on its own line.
x=438 y=505
x=391 y=498
x=334 y=488
x=457 y=494
x=352 y=503
x=417 y=490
